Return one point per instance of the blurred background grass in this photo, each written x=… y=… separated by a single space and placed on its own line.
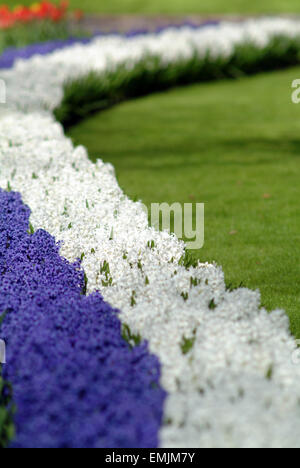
x=206 y=7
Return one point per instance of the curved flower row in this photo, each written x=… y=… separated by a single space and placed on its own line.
x=226 y=363
x=10 y=55
x=39 y=81
x=76 y=382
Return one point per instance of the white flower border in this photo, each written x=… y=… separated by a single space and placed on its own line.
x=237 y=386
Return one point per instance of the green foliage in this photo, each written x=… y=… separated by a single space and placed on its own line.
x=31 y=229
x=2 y=317
x=188 y=260
x=187 y=344
x=232 y=287
x=269 y=373
x=130 y=338
x=106 y=271
x=84 y=290
x=133 y=299
x=195 y=282
x=185 y=296
x=151 y=245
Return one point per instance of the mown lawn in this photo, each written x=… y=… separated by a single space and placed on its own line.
x=234 y=145
x=180 y=6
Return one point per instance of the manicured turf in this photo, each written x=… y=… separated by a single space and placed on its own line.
x=234 y=145
x=181 y=6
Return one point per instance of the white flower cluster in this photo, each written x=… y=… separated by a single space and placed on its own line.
x=226 y=362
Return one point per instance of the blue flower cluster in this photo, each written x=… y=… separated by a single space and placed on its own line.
x=76 y=382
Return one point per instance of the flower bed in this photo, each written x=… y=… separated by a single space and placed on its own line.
x=108 y=69
x=226 y=363
x=67 y=359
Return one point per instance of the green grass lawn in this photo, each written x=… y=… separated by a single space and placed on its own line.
x=181 y=6
x=234 y=145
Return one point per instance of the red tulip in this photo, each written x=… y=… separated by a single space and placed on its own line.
x=22 y=14
x=44 y=10
x=6 y=17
